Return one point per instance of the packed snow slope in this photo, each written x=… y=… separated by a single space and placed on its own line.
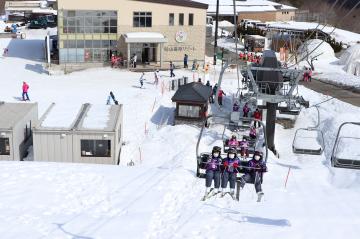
x=160 y=196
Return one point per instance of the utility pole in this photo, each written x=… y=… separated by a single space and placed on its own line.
x=216 y=30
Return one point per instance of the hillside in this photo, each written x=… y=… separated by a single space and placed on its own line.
x=333 y=16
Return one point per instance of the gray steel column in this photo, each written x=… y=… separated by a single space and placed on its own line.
x=270 y=125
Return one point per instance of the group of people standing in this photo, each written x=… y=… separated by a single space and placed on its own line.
x=250 y=57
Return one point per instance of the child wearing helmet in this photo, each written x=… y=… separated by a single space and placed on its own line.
x=230 y=167
x=233 y=142
x=256 y=167
x=213 y=170
x=244 y=148
x=252 y=133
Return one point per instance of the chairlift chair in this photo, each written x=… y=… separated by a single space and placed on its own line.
x=306 y=141
x=203 y=157
x=310 y=140
x=341 y=156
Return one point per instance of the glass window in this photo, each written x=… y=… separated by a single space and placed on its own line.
x=142 y=19
x=95 y=148
x=88 y=43
x=4 y=146
x=189 y=111
x=191 y=19
x=181 y=19
x=90 y=22
x=80 y=44
x=96 y=44
x=171 y=19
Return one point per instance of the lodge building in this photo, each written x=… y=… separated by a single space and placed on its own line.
x=157 y=31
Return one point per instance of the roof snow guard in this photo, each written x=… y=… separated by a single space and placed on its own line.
x=182 y=3
x=192 y=92
x=144 y=37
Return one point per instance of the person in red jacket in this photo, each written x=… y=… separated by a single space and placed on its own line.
x=25 y=89
x=220 y=96
x=257 y=117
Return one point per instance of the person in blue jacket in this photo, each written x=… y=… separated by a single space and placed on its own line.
x=256 y=168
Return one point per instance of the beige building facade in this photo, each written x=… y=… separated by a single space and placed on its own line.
x=268 y=16
x=156 y=31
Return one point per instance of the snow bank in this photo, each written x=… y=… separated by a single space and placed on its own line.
x=340 y=35
x=351 y=59
x=97 y=117
x=316 y=48
x=225 y=24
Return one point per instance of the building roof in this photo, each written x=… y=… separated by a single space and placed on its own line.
x=86 y=117
x=226 y=6
x=144 y=37
x=99 y=117
x=183 y=3
x=12 y=113
x=192 y=92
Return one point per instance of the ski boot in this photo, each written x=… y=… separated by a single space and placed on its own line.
x=260 y=195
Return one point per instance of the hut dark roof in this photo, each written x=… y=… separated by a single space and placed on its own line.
x=192 y=92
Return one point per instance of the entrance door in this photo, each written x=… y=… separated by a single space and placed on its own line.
x=145 y=55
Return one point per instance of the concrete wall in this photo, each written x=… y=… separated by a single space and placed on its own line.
x=194 y=46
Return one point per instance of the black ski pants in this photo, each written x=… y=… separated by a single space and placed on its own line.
x=210 y=176
x=251 y=178
x=228 y=177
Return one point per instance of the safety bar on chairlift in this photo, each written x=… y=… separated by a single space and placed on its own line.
x=229 y=123
x=338 y=138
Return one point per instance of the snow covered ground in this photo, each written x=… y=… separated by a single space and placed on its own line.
x=160 y=196
x=328 y=68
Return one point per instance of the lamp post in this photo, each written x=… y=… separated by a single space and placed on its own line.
x=216 y=30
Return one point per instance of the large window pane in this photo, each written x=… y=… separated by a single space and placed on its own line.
x=189 y=111
x=142 y=19
x=96 y=44
x=191 y=19
x=88 y=44
x=96 y=21
x=171 y=19
x=80 y=44
x=113 y=22
x=4 y=146
x=95 y=148
x=181 y=19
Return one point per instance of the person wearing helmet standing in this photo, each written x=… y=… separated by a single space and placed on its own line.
x=256 y=168
x=213 y=171
x=230 y=167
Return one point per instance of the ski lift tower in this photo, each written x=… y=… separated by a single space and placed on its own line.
x=273 y=85
x=269 y=83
